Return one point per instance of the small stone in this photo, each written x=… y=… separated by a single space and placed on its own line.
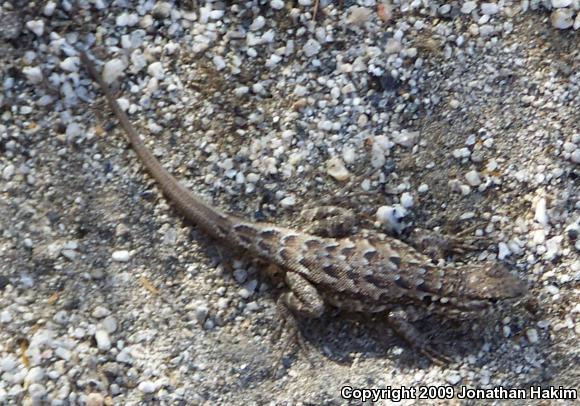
x=35 y=375
x=453 y=378
x=121 y=256
x=541 y=213
x=201 y=312
x=161 y=10
x=561 y=3
x=8 y=172
x=468 y=7
x=63 y=353
x=473 y=178
x=532 y=335
x=489 y=8
x=99 y=312
x=103 y=340
x=156 y=70
x=95 y=399
x=562 y=18
x=575 y=156
x=49 y=8
x=359 y=15
x=335 y=168
x=391 y=216
x=277 y=4
x=5 y=316
x=407 y=200
x=258 y=23
x=36 y=26
x=288 y=201
x=311 y=48
x=124 y=356
x=113 y=69
x=126 y=20
x=70 y=64
x=147 y=387
x=503 y=251
x=33 y=74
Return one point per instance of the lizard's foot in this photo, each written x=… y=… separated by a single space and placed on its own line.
x=441 y=246
x=398 y=321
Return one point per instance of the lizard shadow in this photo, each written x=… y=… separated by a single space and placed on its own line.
x=340 y=334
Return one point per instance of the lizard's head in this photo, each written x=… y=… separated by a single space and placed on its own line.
x=480 y=286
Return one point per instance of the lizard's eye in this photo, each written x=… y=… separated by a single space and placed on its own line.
x=427 y=300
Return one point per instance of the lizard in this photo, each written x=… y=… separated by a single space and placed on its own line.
x=366 y=272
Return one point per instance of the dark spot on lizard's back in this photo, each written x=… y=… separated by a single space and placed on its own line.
x=312 y=243
x=245 y=239
x=347 y=251
x=290 y=239
x=378 y=282
x=331 y=247
x=370 y=255
x=243 y=228
x=330 y=270
x=269 y=233
x=284 y=254
x=263 y=246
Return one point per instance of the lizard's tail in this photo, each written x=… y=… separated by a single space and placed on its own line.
x=193 y=208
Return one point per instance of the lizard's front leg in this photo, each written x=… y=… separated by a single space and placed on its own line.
x=302 y=299
x=398 y=321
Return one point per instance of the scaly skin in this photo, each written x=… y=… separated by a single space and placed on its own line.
x=365 y=273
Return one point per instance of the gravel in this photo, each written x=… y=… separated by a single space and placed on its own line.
x=455 y=116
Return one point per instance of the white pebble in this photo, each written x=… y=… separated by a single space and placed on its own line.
x=8 y=172
x=561 y=3
x=147 y=387
x=73 y=130
x=126 y=20
x=113 y=69
x=70 y=64
x=103 y=340
x=219 y=62
x=288 y=201
x=36 y=26
x=156 y=70
x=453 y=378
x=34 y=375
x=277 y=4
x=311 y=48
x=407 y=200
x=489 y=8
x=541 y=213
x=5 y=316
x=335 y=168
x=575 y=156
x=99 y=312
x=359 y=15
x=49 y=8
x=468 y=7
x=109 y=324
x=562 y=18
x=121 y=256
x=390 y=216
x=258 y=23
x=95 y=399
x=33 y=74
x=161 y=10
x=532 y=335
x=473 y=178
x=63 y=353
x=503 y=251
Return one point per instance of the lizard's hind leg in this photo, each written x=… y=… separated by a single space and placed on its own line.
x=329 y=221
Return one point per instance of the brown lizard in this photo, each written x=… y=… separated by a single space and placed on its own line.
x=368 y=272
